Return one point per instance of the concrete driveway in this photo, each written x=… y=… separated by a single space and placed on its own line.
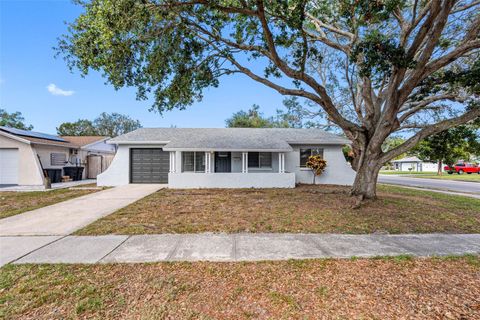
x=446 y=185
x=66 y=217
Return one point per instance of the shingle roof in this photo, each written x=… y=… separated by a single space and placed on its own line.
x=38 y=137
x=83 y=140
x=229 y=139
x=408 y=159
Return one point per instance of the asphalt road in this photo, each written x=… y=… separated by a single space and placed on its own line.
x=448 y=185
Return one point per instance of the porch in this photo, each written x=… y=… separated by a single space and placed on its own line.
x=229 y=169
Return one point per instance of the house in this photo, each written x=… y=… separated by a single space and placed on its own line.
x=410 y=164
x=225 y=158
x=26 y=156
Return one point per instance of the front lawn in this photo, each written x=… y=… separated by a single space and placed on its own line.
x=308 y=209
x=12 y=203
x=384 y=288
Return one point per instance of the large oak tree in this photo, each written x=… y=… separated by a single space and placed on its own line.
x=373 y=67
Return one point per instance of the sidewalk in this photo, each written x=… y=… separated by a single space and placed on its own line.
x=228 y=247
x=65 y=217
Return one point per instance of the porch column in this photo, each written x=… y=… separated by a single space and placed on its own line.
x=281 y=162
x=244 y=162
x=208 y=157
x=173 y=164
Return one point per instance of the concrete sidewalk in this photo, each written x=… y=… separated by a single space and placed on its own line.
x=68 y=216
x=232 y=247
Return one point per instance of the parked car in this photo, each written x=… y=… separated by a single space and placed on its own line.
x=461 y=168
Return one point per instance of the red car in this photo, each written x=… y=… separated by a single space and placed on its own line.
x=460 y=168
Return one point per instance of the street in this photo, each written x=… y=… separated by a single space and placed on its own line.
x=449 y=185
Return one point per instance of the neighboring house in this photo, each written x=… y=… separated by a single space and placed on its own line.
x=410 y=164
x=26 y=155
x=225 y=158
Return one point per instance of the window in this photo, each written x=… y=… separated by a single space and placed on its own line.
x=193 y=161
x=259 y=160
x=58 y=159
x=306 y=153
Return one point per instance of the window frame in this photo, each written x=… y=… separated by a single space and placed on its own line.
x=259 y=167
x=319 y=151
x=58 y=162
x=194 y=162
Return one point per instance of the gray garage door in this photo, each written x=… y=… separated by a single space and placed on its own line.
x=149 y=166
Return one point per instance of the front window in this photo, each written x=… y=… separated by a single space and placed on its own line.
x=306 y=153
x=260 y=160
x=193 y=161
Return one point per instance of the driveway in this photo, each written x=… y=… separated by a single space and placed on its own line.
x=66 y=217
x=446 y=185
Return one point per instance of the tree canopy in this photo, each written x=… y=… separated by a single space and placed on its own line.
x=13 y=120
x=458 y=143
x=110 y=125
x=372 y=68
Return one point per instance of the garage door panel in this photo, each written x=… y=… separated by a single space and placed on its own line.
x=149 y=165
x=9 y=166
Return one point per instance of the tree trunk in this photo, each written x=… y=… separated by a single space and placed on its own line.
x=365 y=184
x=439 y=170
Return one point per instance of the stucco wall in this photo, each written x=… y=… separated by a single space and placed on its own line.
x=338 y=171
x=29 y=170
x=118 y=173
x=188 y=180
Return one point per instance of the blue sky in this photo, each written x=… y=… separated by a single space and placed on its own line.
x=28 y=31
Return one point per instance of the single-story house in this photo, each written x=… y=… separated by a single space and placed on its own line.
x=410 y=164
x=226 y=158
x=26 y=156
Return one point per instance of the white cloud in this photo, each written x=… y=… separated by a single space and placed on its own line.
x=56 y=91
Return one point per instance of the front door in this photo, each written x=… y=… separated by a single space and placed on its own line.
x=223 y=161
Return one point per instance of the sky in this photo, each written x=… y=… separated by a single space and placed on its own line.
x=43 y=89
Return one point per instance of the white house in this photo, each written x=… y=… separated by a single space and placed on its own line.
x=27 y=156
x=410 y=164
x=225 y=158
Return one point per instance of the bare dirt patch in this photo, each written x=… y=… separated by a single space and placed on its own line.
x=393 y=288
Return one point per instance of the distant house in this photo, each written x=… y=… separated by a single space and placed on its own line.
x=26 y=157
x=226 y=158
x=410 y=164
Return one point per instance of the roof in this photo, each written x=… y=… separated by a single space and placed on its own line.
x=408 y=159
x=34 y=134
x=228 y=139
x=84 y=140
x=37 y=137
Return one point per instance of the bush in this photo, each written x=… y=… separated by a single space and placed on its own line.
x=317 y=165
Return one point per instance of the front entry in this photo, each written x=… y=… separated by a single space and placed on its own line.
x=223 y=162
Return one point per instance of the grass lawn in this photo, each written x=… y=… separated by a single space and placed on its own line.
x=383 y=288
x=432 y=175
x=309 y=209
x=12 y=203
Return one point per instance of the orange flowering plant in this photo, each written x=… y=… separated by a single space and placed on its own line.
x=317 y=165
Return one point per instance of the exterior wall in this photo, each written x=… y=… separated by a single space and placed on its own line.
x=190 y=180
x=416 y=166
x=118 y=173
x=338 y=170
x=29 y=173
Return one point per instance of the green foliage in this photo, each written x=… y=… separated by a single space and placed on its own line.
x=81 y=127
x=115 y=124
x=377 y=53
x=391 y=143
x=451 y=145
x=289 y=117
x=13 y=120
x=110 y=125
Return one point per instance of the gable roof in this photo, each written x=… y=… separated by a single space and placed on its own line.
x=408 y=159
x=32 y=137
x=228 y=139
x=84 y=140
